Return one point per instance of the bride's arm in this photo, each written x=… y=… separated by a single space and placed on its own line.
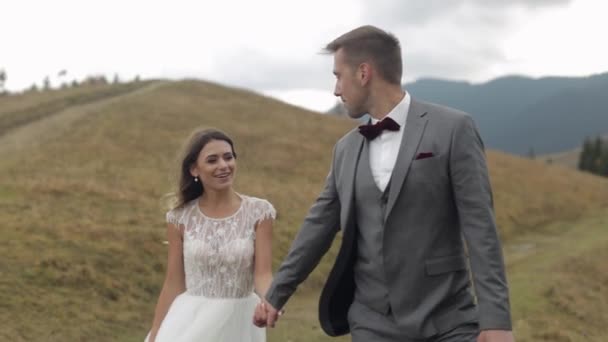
x=174 y=279
x=263 y=257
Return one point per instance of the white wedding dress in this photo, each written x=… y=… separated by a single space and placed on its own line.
x=219 y=301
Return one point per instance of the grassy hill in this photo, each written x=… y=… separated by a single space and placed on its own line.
x=19 y=110
x=83 y=217
x=567 y=158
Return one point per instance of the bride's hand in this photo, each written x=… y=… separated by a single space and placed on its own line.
x=259 y=315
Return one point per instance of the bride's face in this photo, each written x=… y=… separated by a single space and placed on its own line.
x=215 y=166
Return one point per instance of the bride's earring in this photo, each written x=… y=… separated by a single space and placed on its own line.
x=195 y=179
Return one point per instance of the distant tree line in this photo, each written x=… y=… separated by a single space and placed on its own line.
x=594 y=156
x=46 y=82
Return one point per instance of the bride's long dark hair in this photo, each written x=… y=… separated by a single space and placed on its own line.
x=187 y=188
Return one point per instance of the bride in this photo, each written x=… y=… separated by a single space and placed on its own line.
x=219 y=262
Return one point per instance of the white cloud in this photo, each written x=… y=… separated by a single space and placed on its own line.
x=312 y=99
x=271 y=46
x=564 y=41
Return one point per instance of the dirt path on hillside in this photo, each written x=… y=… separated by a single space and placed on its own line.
x=53 y=124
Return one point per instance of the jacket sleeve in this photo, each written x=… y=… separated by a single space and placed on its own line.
x=473 y=196
x=310 y=244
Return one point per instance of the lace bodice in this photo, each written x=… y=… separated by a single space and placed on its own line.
x=218 y=253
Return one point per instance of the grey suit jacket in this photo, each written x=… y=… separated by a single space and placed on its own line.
x=433 y=202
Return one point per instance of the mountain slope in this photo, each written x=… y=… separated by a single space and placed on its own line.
x=519 y=114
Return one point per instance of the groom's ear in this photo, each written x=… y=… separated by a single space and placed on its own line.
x=364 y=73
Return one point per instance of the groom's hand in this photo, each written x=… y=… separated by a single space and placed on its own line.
x=272 y=314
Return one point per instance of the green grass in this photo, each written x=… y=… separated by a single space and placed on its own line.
x=558 y=282
x=83 y=217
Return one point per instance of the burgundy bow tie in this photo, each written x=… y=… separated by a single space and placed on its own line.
x=372 y=131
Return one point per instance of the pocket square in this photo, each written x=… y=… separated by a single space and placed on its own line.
x=424 y=155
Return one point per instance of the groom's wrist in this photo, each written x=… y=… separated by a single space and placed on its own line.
x=274 y=299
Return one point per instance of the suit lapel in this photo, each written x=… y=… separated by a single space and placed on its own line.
x=351 y=161
x=414 y=128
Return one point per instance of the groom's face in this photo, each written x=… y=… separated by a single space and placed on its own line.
x=348 y=86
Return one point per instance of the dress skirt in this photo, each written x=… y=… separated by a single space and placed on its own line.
x=201 y=319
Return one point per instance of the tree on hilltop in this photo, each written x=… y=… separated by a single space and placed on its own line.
x=46 y=83
x=585 y=158
x=2 y=79
x=594 y=156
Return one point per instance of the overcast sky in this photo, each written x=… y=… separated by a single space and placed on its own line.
x=273 y=46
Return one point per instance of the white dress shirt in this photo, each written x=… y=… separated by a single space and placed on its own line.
x=384 y=149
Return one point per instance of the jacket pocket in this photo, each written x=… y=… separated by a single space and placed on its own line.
x=445 y=264
x=428 y=170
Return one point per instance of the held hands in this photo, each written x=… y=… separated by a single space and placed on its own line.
x=265 y=315
x=259 y=315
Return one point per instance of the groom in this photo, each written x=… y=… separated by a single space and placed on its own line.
x=404 y=189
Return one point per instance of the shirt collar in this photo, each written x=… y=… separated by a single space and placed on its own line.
x=399 y=113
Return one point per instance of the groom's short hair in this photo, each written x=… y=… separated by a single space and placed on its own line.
x=369 y=43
